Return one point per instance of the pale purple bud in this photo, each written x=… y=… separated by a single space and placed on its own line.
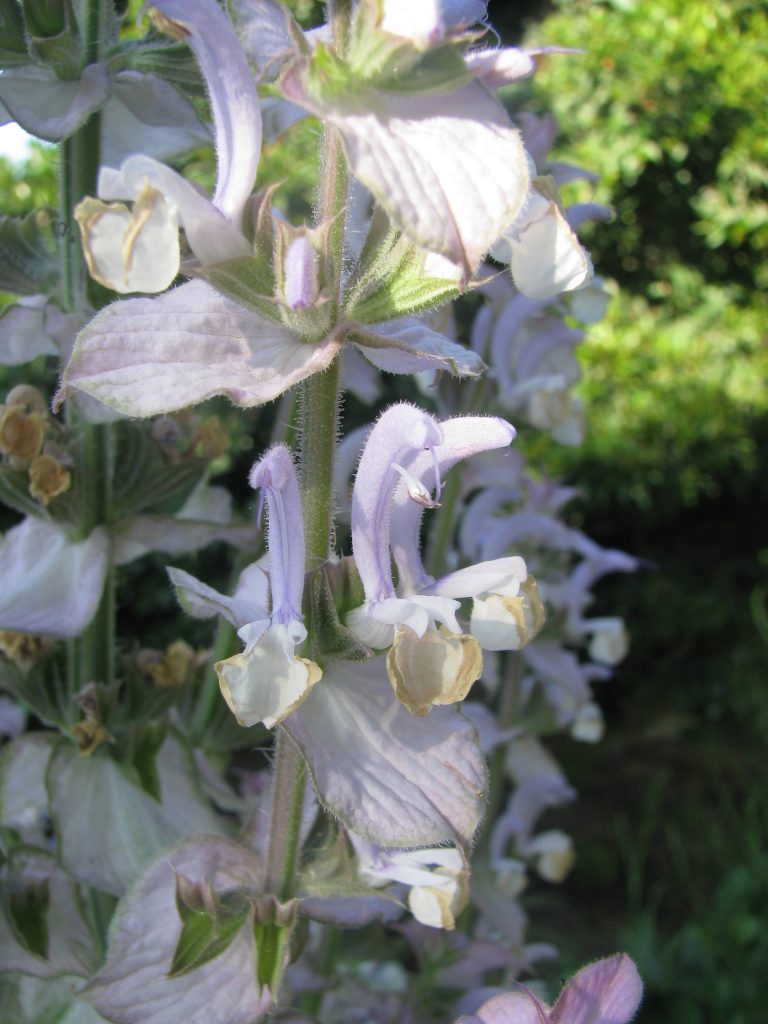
x=300 y=268
x=276 y=475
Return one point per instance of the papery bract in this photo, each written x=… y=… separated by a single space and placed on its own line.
x=51 y=584
x=392 y=778
x=449 y=168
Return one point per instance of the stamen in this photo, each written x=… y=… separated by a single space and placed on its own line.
x=438 y=481
x=416 y=489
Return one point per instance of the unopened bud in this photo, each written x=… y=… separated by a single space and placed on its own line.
x=553 y=854
x=22 y=648
x=46 y=18
x=90 y=734
x=300 y=269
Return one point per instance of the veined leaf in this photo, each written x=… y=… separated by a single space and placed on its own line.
x=28 y=262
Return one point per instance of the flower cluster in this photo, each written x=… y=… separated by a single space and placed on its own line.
x=385 y=663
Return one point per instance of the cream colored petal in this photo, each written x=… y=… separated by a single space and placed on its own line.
x=131 y=250
x=547 y=257
x=508 y=623
x=439 y=905
x=438 y=668
x=553 y=854
x=268 y=682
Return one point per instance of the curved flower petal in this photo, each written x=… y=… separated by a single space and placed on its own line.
x=391 y=778
x=399 y=431
x=232 y=93
x=268 y=682
x=462 y=436
x=210 y=235
x=545 y=255
x=247 y=605
x=51 y=585
x=131 y=250
x=503 y=622
x=276 y=474
x=147 y=356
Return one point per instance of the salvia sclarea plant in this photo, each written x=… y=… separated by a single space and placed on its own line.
x=332 y=813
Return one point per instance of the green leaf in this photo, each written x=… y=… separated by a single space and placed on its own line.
x=248 y=280
x=144 y=478
x=28 y=261
x=42 y=689
x=332 y=590
x=14 y=492
x=13 y=44
x=154 y=55
x=271 y=945
x=54 y=38
x=27 y=912
x=147 y=740
x=204 y=936
x=391 y=281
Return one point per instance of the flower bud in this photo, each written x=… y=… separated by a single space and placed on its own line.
x=23 y=649
x=90 y=734
x=553 y=854
x=300 y=270
x=211 y=440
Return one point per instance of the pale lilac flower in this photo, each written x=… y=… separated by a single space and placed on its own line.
x=268 y=680
x=431 y=660
x=437 y=878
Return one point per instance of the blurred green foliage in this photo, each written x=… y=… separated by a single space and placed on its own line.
x=667 y=106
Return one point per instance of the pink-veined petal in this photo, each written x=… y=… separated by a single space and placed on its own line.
x=148 y=356
x=392 y=778
x=449 y=169
x=606 y=992
x=233 y=96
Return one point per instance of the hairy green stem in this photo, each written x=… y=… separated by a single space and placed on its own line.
x=442 y=529
x=287 y=804
x=92 y=656
x=319 y=425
